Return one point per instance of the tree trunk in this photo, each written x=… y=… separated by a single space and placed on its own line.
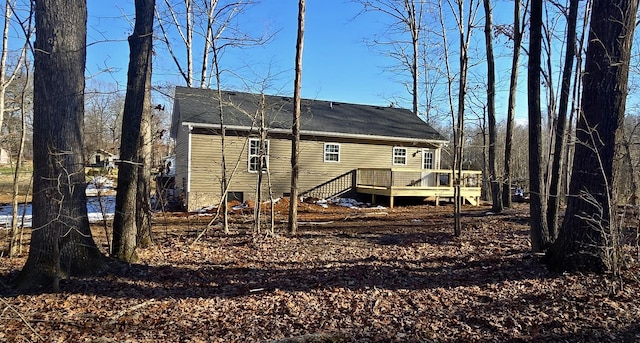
x=588 y=240
x=14 y=240
x=513 y=88
x=124 y=222
x=3 y=59
x=143 y=203
x=558 y=160
x=496 y=194
x=224 y=178
x=295 y=127
x=632 y=199
x=539 y=232
x=261 y=166
x=414 y=26
x=61 y=241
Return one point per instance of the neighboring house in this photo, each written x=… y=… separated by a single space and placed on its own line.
x=4 y=157
x=344 y=148
x=101 y=158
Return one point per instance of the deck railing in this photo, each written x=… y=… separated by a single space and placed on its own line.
x=335 y=187
x=388 y=178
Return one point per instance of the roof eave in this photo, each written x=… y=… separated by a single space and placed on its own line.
x=320 y=133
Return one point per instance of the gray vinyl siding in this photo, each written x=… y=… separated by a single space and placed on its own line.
x=206 y=160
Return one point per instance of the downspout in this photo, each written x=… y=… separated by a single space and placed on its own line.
x=188 y=190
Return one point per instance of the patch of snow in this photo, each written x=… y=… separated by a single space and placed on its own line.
x=99 y=185
x=240 y=207
x=348 y=202
x=98 y=209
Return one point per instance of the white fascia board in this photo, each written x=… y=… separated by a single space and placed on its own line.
x=319 y=133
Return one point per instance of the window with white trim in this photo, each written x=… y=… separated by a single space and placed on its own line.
x=399 y=156
x=331 y=152
x=255 y=155
x=427 y=159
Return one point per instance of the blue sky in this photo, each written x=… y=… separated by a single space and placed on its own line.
x=337 y=64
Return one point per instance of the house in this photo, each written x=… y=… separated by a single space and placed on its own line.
x=101 y=158
x=344 y=148
x=5 y=158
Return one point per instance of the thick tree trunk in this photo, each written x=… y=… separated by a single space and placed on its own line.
x=588 y=240
x=496 y=194
x=558 y=160
x=143 y=203
x=124 y=222
x=61 y=241
x=295 y=127
x=539 y=232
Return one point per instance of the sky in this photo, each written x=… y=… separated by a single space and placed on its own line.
x=337 y=64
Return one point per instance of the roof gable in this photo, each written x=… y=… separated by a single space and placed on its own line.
x=200 y=107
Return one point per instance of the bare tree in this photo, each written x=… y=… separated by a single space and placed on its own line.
x=103 y=114
x=295 y=126
x=589 y=237
x=14 y=240
x=14 y=234
x=144 y=152
x=140 y=42
x=263 y=166
x=407 y=16
x=464 y=23
x=559 y=139
x=516 y=36
x=629 y=175
x=61 y=241
x=539 y=232
x=8 y=76
x=496 y=195
x=212 y=22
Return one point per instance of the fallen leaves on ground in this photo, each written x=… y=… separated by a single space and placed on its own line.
x=350 y=275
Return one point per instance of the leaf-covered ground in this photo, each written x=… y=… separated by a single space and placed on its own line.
x=376 y=275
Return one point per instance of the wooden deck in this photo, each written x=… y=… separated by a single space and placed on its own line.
x=434 y=184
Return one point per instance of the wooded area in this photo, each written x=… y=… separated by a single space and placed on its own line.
x=561 y=267
x=350 y=275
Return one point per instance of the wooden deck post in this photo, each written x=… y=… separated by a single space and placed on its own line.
x=391 y=201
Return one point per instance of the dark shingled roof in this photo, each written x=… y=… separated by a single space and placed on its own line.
x=200 y=106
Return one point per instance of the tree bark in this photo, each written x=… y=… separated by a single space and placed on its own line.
x=496 y=194
x=61 y=241
x=539 y=231
x=588 y=240
x=513 y=88
x=143 y=203
x=295 y=127
x=140 y=44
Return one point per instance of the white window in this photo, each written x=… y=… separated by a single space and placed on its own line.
x=255 y=154
x=427 y=159
x=331 y=152
x=399 y=156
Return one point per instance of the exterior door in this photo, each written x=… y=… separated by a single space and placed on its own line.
x=428 y=177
